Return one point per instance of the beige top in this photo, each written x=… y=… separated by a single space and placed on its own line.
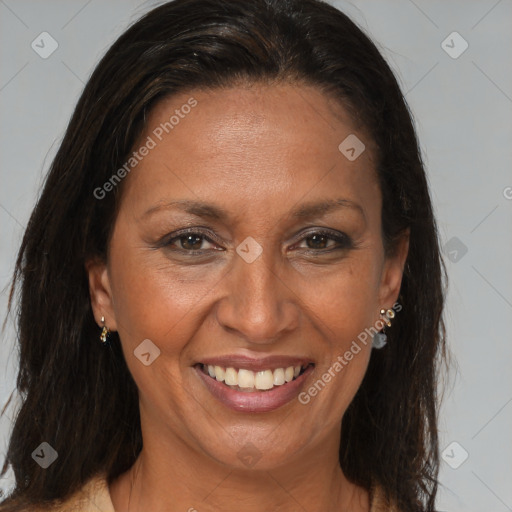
x=94 y=496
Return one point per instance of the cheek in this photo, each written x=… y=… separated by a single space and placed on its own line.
x=155 y=299
x=345 y=311
x=345 y=299
x=162 y=300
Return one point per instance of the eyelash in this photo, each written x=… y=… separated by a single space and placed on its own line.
x=344 y=241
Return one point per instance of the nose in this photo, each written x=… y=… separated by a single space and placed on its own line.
x=258 y=305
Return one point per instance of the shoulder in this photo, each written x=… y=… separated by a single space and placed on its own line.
x=93 y=495
x=379 y=502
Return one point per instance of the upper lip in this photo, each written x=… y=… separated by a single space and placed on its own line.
x=239 y=361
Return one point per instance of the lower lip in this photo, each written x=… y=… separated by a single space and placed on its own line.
x=255 y=401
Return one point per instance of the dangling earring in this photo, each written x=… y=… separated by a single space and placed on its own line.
x=104 y=333
x=380 y=338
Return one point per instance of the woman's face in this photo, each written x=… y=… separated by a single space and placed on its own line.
x=284 y=266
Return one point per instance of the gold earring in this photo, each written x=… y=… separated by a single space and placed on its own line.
x=380 y=338
x=389 y=314
x=104 y=332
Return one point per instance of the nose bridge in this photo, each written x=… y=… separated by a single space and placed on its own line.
x=259 y=304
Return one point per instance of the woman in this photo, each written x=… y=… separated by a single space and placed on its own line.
x=231 y=289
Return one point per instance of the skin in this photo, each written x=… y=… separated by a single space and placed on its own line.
x=258 y=152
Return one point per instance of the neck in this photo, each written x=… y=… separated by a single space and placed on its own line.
x=173 y=476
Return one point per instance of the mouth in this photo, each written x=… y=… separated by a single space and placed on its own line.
x=249 y=386
x=248 y=381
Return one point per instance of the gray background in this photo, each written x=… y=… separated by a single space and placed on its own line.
x=462 y=107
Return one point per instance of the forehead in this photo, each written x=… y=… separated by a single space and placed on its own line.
x=262 y=142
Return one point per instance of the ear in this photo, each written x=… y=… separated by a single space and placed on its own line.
x=393 y=271
x=102 y=301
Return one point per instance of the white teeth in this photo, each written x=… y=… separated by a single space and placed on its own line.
x=264 y=380
x=219 y=373
x=247 y=380
x=231 y=377
x=279 y=377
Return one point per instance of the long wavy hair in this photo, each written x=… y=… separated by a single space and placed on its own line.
x=81 y=398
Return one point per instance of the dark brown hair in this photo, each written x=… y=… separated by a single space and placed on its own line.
x=80 y=397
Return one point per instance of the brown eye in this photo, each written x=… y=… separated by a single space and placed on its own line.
x=317 y=241
x=190 y=242
x=323 y=241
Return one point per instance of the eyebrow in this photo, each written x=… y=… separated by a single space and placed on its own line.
x=211 y=211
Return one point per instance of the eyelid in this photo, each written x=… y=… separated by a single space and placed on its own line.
x=203 y=231
x=320 y=230
x=343 y=241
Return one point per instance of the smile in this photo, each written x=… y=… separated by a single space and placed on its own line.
x=248 y=385
x=249 y=381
